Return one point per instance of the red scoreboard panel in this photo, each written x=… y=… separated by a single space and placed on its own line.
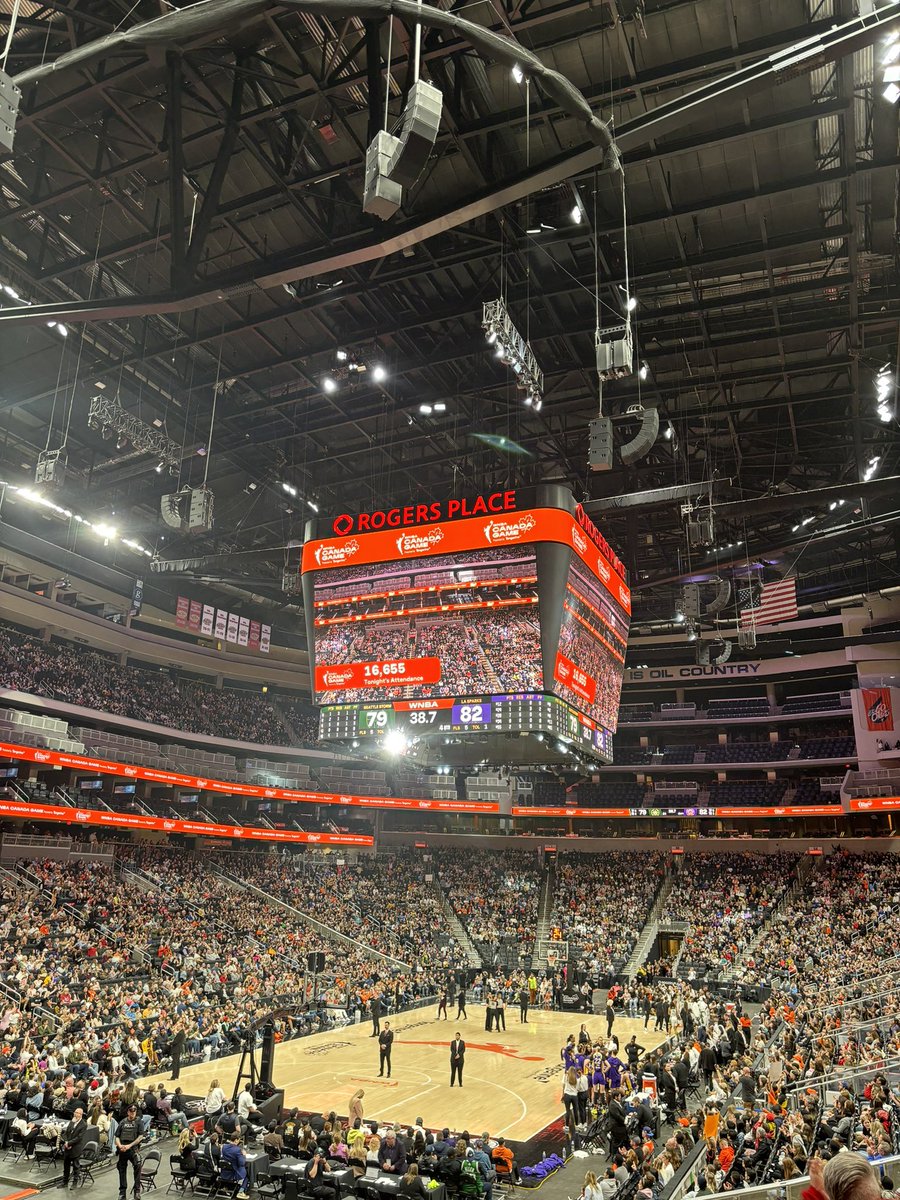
x=473 y=597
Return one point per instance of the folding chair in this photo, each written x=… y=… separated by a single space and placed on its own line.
x=149 y=1169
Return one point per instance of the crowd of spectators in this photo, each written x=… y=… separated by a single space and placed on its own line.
x=494 y=896
x=601 y=903
x=98 y=681
x=725 y=898
x=382 y=903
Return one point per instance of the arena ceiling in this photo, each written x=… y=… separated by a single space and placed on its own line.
x=762 y=245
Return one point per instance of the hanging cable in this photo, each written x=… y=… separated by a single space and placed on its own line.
x=14 y=16
x=387 y=82
x=418 y=49
x=212 y=417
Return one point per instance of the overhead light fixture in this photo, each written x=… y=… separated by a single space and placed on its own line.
x=159 y=468
x=518 y=74
x=440 y=407
x=576 y=214
x=312 y=504
x=425 y=409
x=644 y=371
x=513 y=349
x=289 y=488
x=379 y=374
x=342 y=355
x=121 y=442
x=891 y=93
x=631 y=303
x=329 y=385
x=395 y=742
x=11 y=292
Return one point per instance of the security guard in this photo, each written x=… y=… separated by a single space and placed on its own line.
x=128 y=1138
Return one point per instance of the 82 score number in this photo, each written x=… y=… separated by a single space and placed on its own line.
x=471 y=714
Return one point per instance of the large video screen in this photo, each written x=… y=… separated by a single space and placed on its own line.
x=445 y=625
x=590 y=657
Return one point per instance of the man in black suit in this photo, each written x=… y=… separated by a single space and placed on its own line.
x=73 y=1139
x=375 y=1010
x=457 y=1059
x=385 y=1041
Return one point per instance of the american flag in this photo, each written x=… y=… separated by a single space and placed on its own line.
x=772 y=603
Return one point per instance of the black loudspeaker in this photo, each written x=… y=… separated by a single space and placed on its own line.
x=316 y=961
x=267 y=1055
x=272 y=1107
x=644 y=439
x=600 y=444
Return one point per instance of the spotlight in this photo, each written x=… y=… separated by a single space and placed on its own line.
x=576 y=214
x=631 y=303
x=492 y=336
x=670 y=432
x=518 y=74
x=644 y=371
x=891 y=93
x=342 y=355
x=425 y=409
x=11 y=292
x=379 y=374
x=395 y=743
x=329 y=385
x=679 y=617
x=121 y=442
x=440 y=407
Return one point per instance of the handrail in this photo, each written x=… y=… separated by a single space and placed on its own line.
x=328 y=933
x=846 y=1073
x=793 y=1188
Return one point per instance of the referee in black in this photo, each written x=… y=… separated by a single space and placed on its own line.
x=385 y=1041
x=128 y=1138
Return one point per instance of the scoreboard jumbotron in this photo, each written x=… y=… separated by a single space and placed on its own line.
x=490 y=629
x=549 y=719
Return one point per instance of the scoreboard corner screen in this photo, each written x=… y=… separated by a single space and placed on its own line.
x=497 y=615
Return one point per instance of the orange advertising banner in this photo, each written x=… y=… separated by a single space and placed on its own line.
x=457 y=537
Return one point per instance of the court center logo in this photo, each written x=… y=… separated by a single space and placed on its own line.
x=498 y=532
x=419 y=543
x=330 y=555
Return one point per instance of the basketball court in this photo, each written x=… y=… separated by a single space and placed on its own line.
x=511 y=1086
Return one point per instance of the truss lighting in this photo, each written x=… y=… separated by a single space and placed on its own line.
x=379 y=374
x=871 y=468
x=329 y=385
x=342 y=355
x=576 y=214
x=644 y=371
x=884 y=385
x=631 y=303
x=513 y=350
x=107 y=415
x=891 y=93
x=518 y=74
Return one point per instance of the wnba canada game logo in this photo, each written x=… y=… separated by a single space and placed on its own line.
x=419 y=543
x=336 y=678
x=508 y=531
x=334 y=556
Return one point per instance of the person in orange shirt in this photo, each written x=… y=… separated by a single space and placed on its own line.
x=726 y=1154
